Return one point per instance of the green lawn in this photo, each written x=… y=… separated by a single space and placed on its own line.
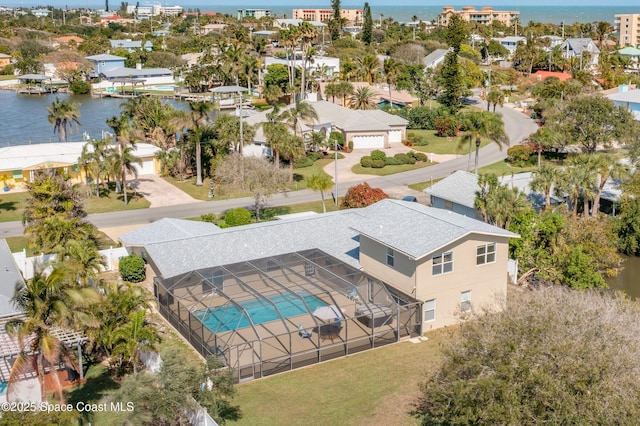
x=502 y=168
x=389 y=170
x=300 y=177
x=12 y=204
x=420 y=186
x=7 y=77
x=374 y=387
x=441 y=145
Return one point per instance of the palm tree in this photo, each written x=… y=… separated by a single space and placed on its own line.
x=61 y=115
x=543 y=138
x=320 y=182
x=274 y=130
x=343 y=90
x=391 y=71
x=124 y=161
x=199 y=117
x=478 y=125
x=368 y=66
x=495 y=97
x=306 y=33
x=48 y=303
x=292 y=148
x=135 y=336
x=84 y=260
x=300 y=112
x=363 y=98
x=544 y=179
x=607 y=166
x=580 y=180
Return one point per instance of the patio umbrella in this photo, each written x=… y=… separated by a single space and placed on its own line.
x=327 y=313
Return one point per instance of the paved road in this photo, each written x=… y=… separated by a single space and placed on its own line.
x=517 y=126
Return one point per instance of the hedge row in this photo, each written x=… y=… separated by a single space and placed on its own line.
x=378 y=159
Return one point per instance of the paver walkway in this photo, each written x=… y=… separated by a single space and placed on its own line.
x=159 y=192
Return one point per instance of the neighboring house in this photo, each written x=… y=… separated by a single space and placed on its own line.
x=134 y=76
x=400 y=98
x=66 y=41
x=628 y=99
x=4 y=60
x=20 y=163
x=209 y=28
x=633 y=54
x=435 y=58
x=366 y=129
x=11 y=276
x=105 y=62
x=542 y=75
x=552 y=41
x=577 y=47
x=391 y=270
x=510 y=42
x=328 y=65
x=40 y=13
x=287 y=23
x=131 y=45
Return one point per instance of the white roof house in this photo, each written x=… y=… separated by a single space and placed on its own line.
x=435 y=58
x=628 y=99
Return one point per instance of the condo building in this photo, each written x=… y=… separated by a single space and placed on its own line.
x=484 y=16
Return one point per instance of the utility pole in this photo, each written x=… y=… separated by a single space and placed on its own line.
x=335 y=147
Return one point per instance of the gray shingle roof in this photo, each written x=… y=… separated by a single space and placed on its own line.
x=418 y=230
x=168 y=229
x=409 y=227
x=137 y=73
x=629 y=96
x=105 y=57
x=434 y=56
x=459 y=187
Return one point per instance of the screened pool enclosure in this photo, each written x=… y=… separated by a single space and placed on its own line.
x=278 y=313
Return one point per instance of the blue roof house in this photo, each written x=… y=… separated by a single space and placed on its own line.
x=104 y=62
x=628 y=99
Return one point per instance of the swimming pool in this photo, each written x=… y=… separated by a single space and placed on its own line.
x=162 y=87
x=230 y=317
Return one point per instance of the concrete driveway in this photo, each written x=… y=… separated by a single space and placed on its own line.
x=159 y=192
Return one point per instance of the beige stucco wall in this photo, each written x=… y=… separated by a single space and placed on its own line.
x=486 y=282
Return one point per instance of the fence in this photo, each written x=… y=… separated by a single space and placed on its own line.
x=27 y=265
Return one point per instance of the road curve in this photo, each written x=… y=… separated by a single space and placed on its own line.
x=517 y=126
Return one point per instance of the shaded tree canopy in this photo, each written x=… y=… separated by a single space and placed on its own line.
x=555 y=356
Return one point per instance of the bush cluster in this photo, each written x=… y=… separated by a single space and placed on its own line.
x=423 y=117
x=448 y=126
x=79 y=87
x=132 y=268
x=520 y=155
x=416 y=140
x=237 y=217
x=307 y=160
x=379 y=159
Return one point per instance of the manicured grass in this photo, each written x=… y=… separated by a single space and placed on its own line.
x=502 y=168
x=389 y=170
x=420 y=186
x=441 y=145
x=300 y=177
x=12 y=204
x=374 y=387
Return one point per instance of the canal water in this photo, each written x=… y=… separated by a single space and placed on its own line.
x=629 y=279
x=24 y=117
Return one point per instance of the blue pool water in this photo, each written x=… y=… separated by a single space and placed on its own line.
x=164 y=88
x=3 y=388
x=230 y=317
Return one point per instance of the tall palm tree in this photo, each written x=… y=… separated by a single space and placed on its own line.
x=543 y=138
x=199 y=117
x=544 y=180
x=478 y=125
x=368 y=67
x=363 y=98
x=306 y=33
x=63 y=114
x=300 y=112
x=274 y=130
x=343 y=90
x=495 y=97
x=580 y=180
x=292 y=148
x=84 y=260
x=48 y=302
x=607 y=166
x=391 y=72
x=320 y=182
x=124 y=161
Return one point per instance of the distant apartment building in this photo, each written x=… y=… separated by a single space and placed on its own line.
x=484 y=16
x=353 y=16
x=146 y=12
x=253 y=13
x=628 y=28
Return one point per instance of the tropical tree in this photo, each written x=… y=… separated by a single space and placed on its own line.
x=198 y=117
x=607 y=166
x=544 y=180
x=495 y=97
x=124 y=161
x=498 y=204
x=391 y=72
x=368 y=67
x=306 y=33
x=62 y=115
x=478 y=125
x=578 y=180
x=291 y=148
x=133 y=337
x=363 y=98
x=275 y=131
x=367 y=24
x=83 y=259
x=544 y=138
x=50 y=303
x=344 y=89
x=301 y=111
x=320 y=182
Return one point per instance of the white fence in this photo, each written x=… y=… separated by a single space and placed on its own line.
x=28 y=264
x=512 y=270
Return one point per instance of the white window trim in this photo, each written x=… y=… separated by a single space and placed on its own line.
x=465 y=297
x=390 y=256
x=433 y=309
x=442 y=255
x=486 y=252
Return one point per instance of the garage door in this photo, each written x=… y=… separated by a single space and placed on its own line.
x=146 y=168
x=368 y=141
x=395 y=136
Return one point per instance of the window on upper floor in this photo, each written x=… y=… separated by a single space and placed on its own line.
x=486 y=253
x=390 y=257
x=442 y=263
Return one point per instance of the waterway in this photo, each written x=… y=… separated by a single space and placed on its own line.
x=24 y=117
x=629 y=279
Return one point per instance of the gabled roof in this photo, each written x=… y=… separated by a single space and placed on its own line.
x=137 y=73
x=105 y=57
x=459 y=187
x=434 y=57
x=578 y=45
x=126 y=44
x=417 y=230
x=628 y=96
x=168 y=229
x=629 y=51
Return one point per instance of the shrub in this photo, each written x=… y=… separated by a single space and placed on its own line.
x=378 y=155
x=336 y=136
x=7 y=70
x=405 y=158
x=423 y=117
x=350 y=146
x=392 y=161
x=362 y=195
x=237 y=217
x=377 y=164
x=519 y=155
x=420 y=141
x=420 y=156
x=79 y=87
x=132 y=268
x=302 y=162
x=315 y=156
x=209 y=217
x=447 y=126
x=366 y=161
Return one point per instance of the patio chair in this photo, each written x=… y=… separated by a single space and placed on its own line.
x=303 y=333
x=353 y=295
